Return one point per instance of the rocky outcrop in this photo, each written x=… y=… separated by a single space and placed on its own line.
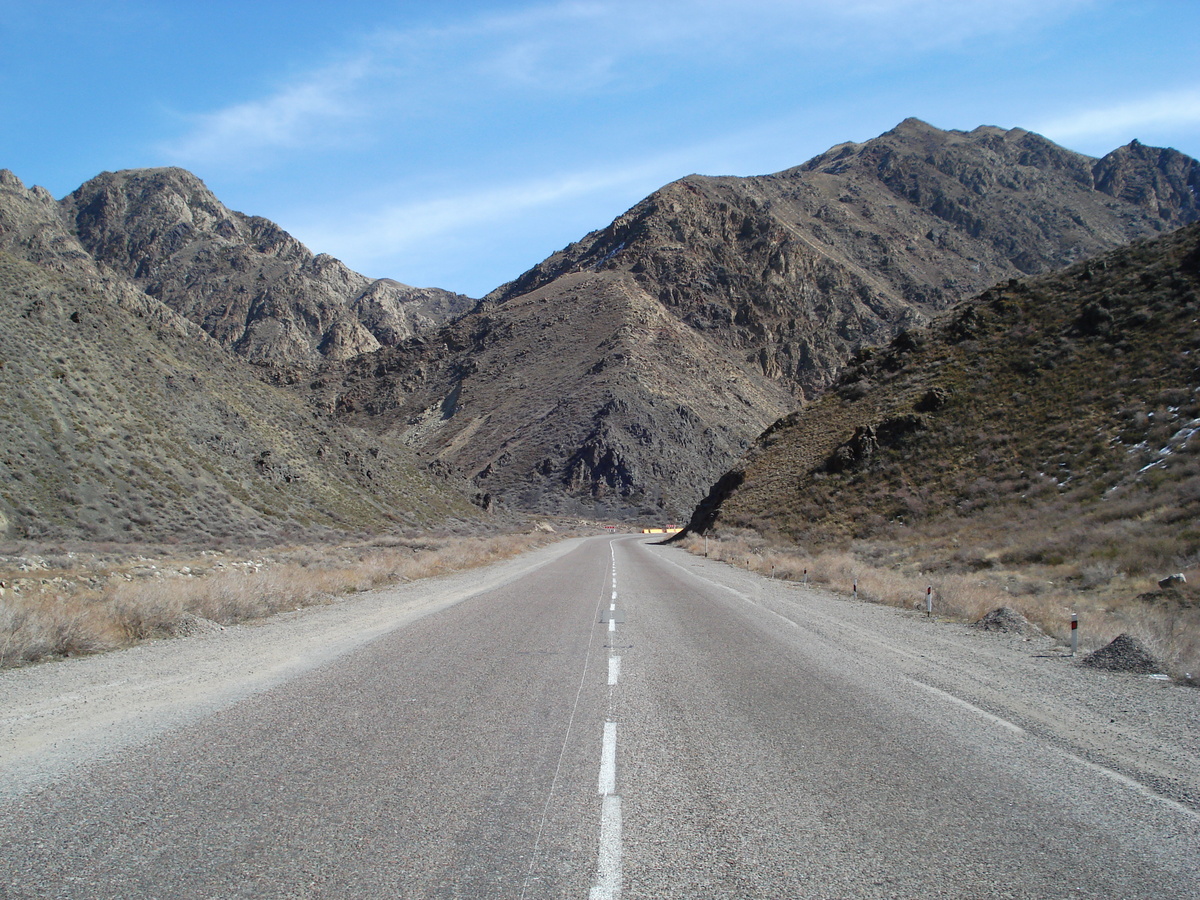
x=246 y=281
x=30 y=228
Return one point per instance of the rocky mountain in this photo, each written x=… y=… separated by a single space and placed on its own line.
x=624 y=373
x=122 y=420
x=243 y=279
x=1044 y=420
x=627 y=371
x=593 y=401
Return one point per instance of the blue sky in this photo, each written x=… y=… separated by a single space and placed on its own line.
x=456 y=144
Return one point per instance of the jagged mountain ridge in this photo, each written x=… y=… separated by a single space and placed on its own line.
x=124 y=421
x=870 y=237
x=729 y=301
x=246 y=281
x=623 y=374
x=1045 y=419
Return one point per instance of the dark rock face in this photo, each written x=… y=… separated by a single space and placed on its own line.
x=246 y=281
x=708 y=508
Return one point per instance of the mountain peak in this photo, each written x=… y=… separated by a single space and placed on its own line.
x=266 y=296
x=913 y=125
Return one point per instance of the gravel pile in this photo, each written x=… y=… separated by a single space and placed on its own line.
x=1009 y=621
x=1125 y=654
x=189 y=625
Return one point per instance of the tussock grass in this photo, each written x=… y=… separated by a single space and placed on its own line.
x=57 y=604
x=1047 y=597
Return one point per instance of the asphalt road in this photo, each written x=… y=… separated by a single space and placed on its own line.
x=621 y=721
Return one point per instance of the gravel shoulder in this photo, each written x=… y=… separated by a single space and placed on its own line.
x=1134 y=728
x=58 y=716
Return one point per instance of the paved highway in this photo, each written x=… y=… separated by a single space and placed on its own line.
x=622 y=720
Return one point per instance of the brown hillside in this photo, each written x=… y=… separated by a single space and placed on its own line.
x=1045 y=420
x=600 y=403
x=790 y=272
x=122 y=421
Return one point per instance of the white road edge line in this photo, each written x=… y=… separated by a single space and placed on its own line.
x=958 y=701
x=1134 y=785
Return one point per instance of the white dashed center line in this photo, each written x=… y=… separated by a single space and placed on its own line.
x=608 y=760
x=608 y=873
x=607 y=885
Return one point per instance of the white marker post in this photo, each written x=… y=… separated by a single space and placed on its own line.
x=855 y=588
x=929 y=601
x=806 y=577
x=1074 y=633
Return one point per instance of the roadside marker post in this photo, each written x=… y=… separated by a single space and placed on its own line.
x=1074 y=633
x=929 y=601
x=806 y=577
x=855 y=588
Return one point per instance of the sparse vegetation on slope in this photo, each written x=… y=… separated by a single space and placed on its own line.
x=1039 y=437
x=125 y=423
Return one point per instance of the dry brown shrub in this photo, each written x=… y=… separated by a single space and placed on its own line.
x=1106 y=607
x=38 y=623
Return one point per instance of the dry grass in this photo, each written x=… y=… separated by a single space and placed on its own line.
x=67 y=604
x=1170 y=629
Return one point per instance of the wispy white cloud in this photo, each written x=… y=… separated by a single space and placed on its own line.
x=569 y=48
x=297 y=114
x=1124 y=119
x=393 y=228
